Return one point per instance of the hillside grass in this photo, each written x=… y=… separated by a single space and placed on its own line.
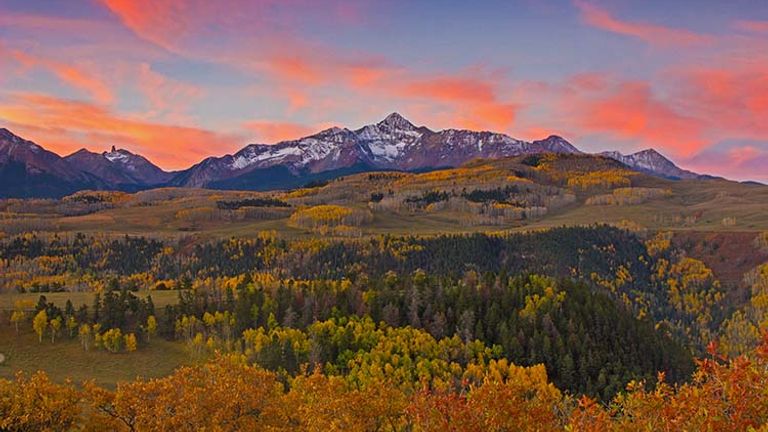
x=8 y=300
x=698 y=205
x=67 y=359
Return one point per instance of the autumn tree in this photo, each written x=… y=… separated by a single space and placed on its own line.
x=223 y=395
x=151 y=327
x=112 y=340
x=85 y=335
x=723 y=395
x=130 y=342
x=17 y=317
x=34 y=403
x=40 y=324
x=55 y=325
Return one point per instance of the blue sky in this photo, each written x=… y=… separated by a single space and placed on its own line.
x=179 y=80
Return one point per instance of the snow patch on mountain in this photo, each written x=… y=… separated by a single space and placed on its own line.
x=117 y=156
x=652 y=162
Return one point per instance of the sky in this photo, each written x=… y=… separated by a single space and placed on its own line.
x=177 y=81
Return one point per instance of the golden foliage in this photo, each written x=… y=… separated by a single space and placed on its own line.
x=224 y=395
x=605 y=179
x=628 y=196
x=228 y=395
x=35 y=403
x=331 y=218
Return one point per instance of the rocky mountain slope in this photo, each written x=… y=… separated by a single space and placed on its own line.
x=652 y=162
x=119 y=167
x=28 y=170
x=391 y=144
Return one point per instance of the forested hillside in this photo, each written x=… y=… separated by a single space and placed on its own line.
x=441 y=321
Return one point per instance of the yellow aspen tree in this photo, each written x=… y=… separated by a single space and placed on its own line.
x=151 y=326
x=55 y=328
x=85 y=336
x=130 y=342
x=17 y=317
x=39 y=324
x=71 y=326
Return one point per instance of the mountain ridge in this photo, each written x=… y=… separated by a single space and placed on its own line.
x=394 y=143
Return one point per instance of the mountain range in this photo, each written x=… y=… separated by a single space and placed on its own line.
x=28 y=170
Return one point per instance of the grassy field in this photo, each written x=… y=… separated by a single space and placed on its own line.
x=711 y=205
x=67 y=359
x=159 y=298
x=701 y=205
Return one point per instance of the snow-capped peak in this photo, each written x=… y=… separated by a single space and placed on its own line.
x=122 y=156
x=651 y=161
x=396 y=121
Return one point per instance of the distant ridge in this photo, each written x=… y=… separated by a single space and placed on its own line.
x=394 y=143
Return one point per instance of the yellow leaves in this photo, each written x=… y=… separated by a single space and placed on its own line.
x=604 y=179
x=301 y=193
x=55 y=325
x=628 y=196
x=321 y=403
x=112 y=340
x=741 y=332
x=227 y=394
x=538 y=303
x=480 y=173
x=659 y=244
x=151 y=327
x=331 y=218
x=130 y=342
x=197 y=214
x=17 y=317
x=40 y=324
x=36 y=404
x=218 y=396
x=722 y=396
x=85 y=335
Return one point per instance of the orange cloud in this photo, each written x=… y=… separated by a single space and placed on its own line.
x=451 y=89
x=162 y=23
x=733 y=100
x=631 y=111
x=361 y=76
x=64 y=126
x=269 y=132
x=296 y=68
x=472 y=102
x=71 y=75
x=649 y=33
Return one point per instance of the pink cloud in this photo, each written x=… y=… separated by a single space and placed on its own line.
x=168 y=98
x=72 y=75
x=630 y=110
x=65 y=126
x=649 y=33
x=752 y=26
x=742 y=162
